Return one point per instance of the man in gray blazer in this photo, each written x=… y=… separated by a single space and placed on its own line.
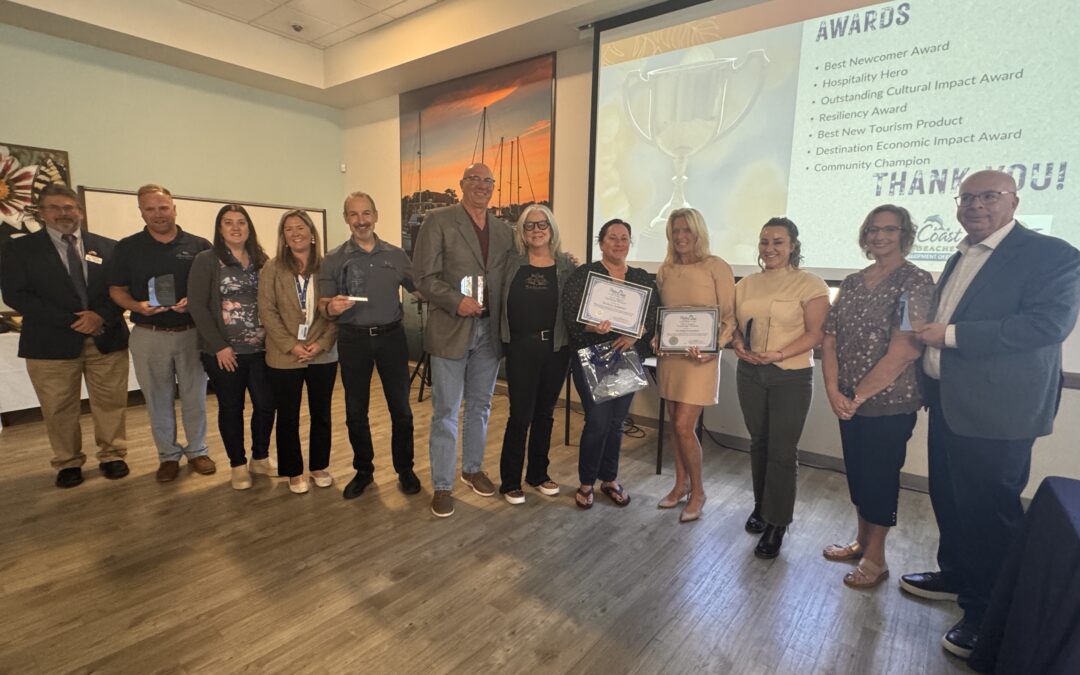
x=1005 y=302
x=458 y=265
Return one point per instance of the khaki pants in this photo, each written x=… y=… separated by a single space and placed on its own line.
x=58 y=386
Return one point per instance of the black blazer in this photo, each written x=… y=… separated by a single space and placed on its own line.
x=35 y=283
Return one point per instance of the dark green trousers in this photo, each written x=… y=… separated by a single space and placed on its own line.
x=774 y=404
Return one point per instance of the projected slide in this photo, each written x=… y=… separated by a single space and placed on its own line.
x=826 y=117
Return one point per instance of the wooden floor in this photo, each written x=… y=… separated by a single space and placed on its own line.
x=136 y=577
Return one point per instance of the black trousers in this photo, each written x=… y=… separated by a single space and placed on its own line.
x=249 y=376
x=359 y=353
x=975 y=487
x=874 y=452
x=534 y=377
x=288 y=384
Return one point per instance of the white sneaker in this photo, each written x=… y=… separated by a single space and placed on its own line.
x=299 y=487
x=514 y=497
x=262 y=467
x=549 y=488
x=322 y=479
x=241 y=478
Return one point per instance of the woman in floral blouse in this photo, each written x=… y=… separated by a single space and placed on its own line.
x=869 y=362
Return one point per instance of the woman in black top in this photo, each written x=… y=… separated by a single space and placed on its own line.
x=535 y=343
x=601 y=439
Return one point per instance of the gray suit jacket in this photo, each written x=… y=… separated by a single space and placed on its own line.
x=447 y=250
x=1003 y=380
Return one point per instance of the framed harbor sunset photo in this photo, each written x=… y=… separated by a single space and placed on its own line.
x=501 y=117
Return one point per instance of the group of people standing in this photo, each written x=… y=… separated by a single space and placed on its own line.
x=981 y=350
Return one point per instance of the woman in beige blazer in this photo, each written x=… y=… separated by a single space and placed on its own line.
x=300 y=348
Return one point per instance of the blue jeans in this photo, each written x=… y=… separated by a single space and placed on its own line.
x=164 y=362
x=472 y=376
x=601 y=439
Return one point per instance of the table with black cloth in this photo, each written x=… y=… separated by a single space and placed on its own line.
x=1033 y=622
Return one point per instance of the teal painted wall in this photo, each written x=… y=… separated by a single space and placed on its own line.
x=125 y=121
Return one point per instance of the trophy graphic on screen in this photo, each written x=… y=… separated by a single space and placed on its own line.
x=682 y=109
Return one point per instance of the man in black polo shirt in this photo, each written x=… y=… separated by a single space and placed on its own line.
x=163 y=344
x=370 y=334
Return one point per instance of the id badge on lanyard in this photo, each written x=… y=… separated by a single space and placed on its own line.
x=301 y=294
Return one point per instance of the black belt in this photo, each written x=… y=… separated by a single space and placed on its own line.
x=541 y=335
x=165 y=329
x=373 y=331
x=485 y=314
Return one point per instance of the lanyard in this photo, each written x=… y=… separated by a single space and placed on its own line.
x=301 y=292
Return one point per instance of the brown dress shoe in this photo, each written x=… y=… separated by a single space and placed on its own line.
x=202 y=464
x=168 y=471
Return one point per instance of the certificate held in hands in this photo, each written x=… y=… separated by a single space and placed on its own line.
x=162 y=291
x=621 y=302
x=683 y=328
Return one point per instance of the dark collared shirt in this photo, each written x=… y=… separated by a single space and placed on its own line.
x=377 y=276
x=140 y=257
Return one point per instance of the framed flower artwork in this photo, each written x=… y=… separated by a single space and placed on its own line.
x=25 y=171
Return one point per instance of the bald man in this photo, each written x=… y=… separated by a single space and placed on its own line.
x=1006 y=301
x=458 y=266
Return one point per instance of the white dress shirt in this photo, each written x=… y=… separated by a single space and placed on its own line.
x=972 y=259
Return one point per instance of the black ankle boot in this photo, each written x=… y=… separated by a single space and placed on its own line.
x=754 y=524
x=769 y=546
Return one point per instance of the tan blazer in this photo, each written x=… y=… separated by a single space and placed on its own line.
x=281 y=316
x=447 y=250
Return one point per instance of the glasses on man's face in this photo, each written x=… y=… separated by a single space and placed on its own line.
x=67 y=208
x=988 y=197
x=888 y=229
x=531 y=225
x=479 y=179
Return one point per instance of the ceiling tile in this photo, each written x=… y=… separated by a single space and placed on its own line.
x=373 y=21
x=337 y=12
x=379 y=5
x=281 y=20
x=244 y=10
x=331 y=39
x=408 y=7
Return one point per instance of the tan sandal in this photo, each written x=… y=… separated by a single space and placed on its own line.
x=866 y=575
x=841 y=553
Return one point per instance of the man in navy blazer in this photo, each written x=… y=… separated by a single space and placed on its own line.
x=1005 y=302
x=70 y=330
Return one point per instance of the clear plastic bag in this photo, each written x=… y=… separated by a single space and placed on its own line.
x=610 y=373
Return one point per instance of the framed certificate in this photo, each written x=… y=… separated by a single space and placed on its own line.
x=680 y=328
x=621 y=302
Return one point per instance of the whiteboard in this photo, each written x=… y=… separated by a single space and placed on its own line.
x=115 y=214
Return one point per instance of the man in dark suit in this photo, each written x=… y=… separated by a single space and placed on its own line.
x=70 y=330
x=1005 y=303
x=458 y=265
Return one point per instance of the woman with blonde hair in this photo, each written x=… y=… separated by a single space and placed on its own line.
x=300 y=349
x=537 y=351
x=690 y=380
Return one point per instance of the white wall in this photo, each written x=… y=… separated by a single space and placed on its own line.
x=125 y=121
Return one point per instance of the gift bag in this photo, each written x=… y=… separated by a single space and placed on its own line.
x=610 y=373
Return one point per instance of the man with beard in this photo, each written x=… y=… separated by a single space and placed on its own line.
x=71 y=330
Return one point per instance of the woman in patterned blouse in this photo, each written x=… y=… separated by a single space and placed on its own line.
x=869 y=362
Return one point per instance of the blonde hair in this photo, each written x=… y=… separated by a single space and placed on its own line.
x=152 y=188
x=696 y=222
x=554 y=245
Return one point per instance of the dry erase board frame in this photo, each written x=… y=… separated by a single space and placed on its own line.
x=115 y=214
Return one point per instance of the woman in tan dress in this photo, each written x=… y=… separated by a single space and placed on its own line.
x=689 y=381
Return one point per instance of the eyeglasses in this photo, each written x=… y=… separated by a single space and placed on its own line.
x=988 y=197
x=888 y=229
x=479 y=179
x=68 y=208
x=530 y=225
